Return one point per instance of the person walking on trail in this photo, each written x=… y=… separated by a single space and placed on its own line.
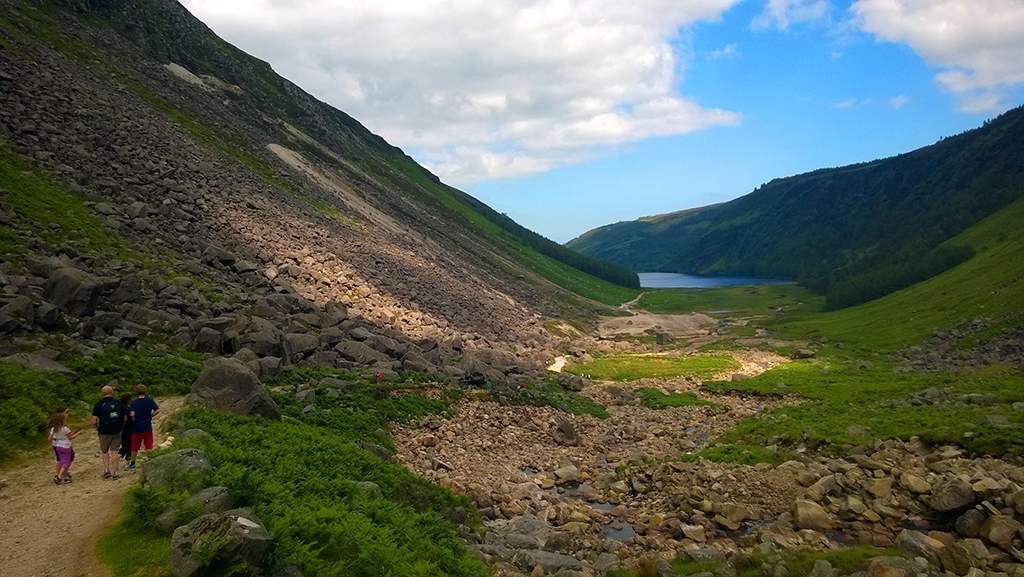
x=142 y=410
x=126 y=433
x=108 y=418
x=60 y=437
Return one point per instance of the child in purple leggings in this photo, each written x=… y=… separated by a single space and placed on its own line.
x=60 y=437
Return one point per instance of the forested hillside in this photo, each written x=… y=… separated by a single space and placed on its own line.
x=854 y=233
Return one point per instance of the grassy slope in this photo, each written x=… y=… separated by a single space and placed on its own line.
x=991 y=284
x=871 y=395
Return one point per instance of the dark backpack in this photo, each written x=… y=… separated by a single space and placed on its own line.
x=111 y=417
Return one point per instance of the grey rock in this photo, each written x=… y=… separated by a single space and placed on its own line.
x=298 y=345
x=918 y=544
x=166 y=521
x=38 y=362
x=211 y=499
x=240 y=539
x=74 y=291
x=47 y=316
x=564 y=433
x=18 y=314
x=570 y=382
x=184 y=470
x=196 y=435
x=208 y=341
x=969 y=524
x=810 y=515
x=551 y=562
x=217 y=254
x=360 y=353
x=954 y=495
x=227 y=385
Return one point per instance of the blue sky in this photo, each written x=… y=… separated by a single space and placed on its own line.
x=568 y=115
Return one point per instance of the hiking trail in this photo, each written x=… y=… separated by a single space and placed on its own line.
x=52 y=530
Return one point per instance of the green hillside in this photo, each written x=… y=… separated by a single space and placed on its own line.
x=989 y=285
x=854 y=233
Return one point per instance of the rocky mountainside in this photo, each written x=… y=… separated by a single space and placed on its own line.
x=260 y=202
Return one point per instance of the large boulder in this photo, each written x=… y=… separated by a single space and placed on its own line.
x=953 y=496
x=38 y=362
x=263 y=337
x=360 y=353
x=570 y=382
x=74 y=291
x=564 y=433
x=18 y=314
x=1000 y=530
x=299 y=345
x=917 y=544
x=228 y=385
x=184 y=470
x=810 y=515
x=212 y=544
x=212 y=500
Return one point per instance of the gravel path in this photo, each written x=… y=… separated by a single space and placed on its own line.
x=52 y=530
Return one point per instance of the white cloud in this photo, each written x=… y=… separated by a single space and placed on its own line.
x=853 y=103
x=482 y=89
x=977 y=43
x=898 y=102
x=782 y=13
x=727 y=51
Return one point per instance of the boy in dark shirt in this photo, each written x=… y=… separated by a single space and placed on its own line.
x=142 y=411
x=126 y=432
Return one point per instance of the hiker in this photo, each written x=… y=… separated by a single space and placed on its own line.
x=126 y=433
x=60 y=437
x=142 y=410
x=108 y=418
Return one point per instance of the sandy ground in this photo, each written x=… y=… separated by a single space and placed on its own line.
x=51 y=530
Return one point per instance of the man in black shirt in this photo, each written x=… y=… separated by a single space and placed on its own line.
x=108 y=417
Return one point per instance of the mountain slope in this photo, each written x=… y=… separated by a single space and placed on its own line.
x=990 y=285
x=834 y=226
x=138 y=102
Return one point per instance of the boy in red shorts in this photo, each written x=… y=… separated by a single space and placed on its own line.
x=142 y=410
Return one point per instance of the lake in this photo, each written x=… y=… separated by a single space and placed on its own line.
x=678 y=280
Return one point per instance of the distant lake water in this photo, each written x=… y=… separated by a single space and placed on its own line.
x=677 y=280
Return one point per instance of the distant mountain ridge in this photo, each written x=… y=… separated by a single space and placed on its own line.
x=854 y=232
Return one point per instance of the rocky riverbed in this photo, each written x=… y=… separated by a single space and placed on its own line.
x=576 y=495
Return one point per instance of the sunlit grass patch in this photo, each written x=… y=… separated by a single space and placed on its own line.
x=553 y=395
x=881 y=402
x=632 y=367
x=742 y=454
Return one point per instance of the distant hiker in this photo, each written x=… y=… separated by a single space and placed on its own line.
x=60 y=437
x=108 y=417
x=142 y=410
x=378 y=378
x=126 y=433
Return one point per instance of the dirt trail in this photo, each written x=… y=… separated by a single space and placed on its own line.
x=51 y=530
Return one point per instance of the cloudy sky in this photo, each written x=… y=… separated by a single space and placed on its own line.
x=571 y=114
